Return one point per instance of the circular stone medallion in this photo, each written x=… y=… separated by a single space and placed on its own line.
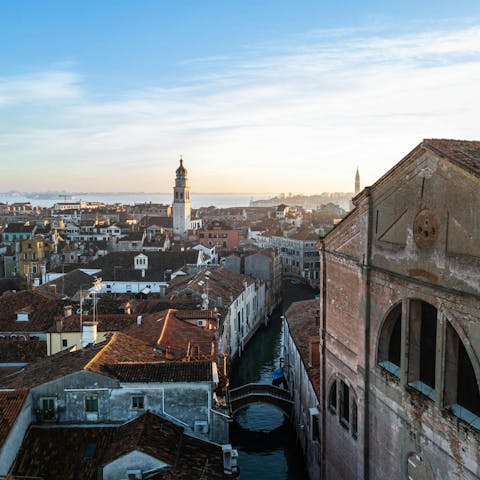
x=425 y=229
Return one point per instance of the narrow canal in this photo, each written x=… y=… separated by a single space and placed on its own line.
x=262 y=434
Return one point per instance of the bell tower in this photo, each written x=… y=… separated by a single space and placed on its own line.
x=181 y=202
x=357 y=182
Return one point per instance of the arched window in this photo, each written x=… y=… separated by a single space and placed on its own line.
x=461 y=393
x=344 y=406
x=422 y=347
x=354 y=419
x=389 y=346
x=332 y=397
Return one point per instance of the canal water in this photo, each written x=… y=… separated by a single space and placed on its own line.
x=262 y=434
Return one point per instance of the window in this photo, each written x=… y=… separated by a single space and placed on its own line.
x=91 y=404
x=354 y=419
x=47 y=408
x=389 y=347
x=138 y=402
x=461 y=388
x=422 y=345
x=332 y=398
x=344 y=404
x=64 y=343
x=315 y=424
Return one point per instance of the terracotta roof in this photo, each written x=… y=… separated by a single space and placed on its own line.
x=15 y=351
x=162 y=372
x=62 y=453
x=169 y=329
x=18 y=228
x=305 y=234
x=149 y=221
x=68 y=284
x=106 y=322
x=158 y=262
x=463 y=152
x=11 y=404
x=118 y=349
x=222 y=283
x=43 y=309
x=301 y=322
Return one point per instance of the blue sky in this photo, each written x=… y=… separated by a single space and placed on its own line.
x=258 y=96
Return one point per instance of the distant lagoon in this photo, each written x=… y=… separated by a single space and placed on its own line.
x=198 y=200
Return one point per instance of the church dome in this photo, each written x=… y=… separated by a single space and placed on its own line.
x=181 y=170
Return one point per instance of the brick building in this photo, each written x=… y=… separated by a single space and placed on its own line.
x=400 y=323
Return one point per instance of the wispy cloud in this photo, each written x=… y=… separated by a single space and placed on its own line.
x=39 y=87
x=299 y=118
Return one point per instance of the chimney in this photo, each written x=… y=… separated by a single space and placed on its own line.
x=139 y=320
x=89 y=333
x=59 y=325
x=168 y=353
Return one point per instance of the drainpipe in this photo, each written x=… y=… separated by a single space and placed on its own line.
x=368 y=273
x=323 y=373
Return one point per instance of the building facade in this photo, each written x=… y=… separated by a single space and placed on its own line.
x=400 y=323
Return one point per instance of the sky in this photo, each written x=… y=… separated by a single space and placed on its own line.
x=257 y=96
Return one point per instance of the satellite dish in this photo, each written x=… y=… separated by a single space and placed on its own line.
x=204 y=295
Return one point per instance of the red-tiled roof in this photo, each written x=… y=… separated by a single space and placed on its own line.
x=60 y=453
x=463 y=152
x=11 y=404
x=222 y=283
x=106 y=323
x=42 y=308
x=301 y=322
x=305 y=234
x=162 y=372
x=15 y=351
x=183 y=339
x=158 y=263
x=120 y=348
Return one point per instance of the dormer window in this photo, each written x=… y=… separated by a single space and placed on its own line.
x=23 y=315
x=141 y=262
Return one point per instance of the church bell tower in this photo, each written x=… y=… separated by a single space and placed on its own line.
x=181 y=202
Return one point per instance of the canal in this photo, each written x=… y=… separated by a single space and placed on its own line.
x=262 y=434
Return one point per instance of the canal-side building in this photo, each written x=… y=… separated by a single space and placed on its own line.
x=301 y=366
x=298 y=254
x=240 y=301
x=400 y=323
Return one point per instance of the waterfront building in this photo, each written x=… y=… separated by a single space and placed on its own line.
x=301 y=367
x=400 y=323
x=298 y=253
x=239 y=298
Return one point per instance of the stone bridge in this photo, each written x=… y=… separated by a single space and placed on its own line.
x=245 y=395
